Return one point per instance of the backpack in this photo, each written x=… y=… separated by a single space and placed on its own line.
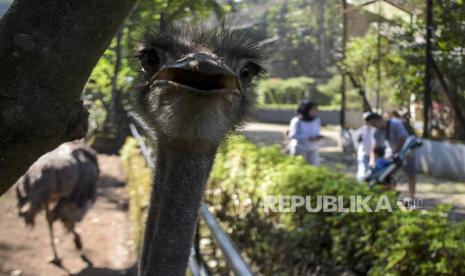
x=408 y=126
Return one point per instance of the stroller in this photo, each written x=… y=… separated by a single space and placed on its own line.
x=384 y=175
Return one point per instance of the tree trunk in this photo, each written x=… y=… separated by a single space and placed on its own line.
x=427 y=79
x=343 y=76
x=323 y=55
x=48 y=50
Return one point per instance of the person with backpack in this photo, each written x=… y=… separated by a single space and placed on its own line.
x=393 y=133
x=304 y=133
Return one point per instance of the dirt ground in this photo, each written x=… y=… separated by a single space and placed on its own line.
x=105 y=234
x=430 y=190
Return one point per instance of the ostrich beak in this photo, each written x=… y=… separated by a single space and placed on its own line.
x=200 y=73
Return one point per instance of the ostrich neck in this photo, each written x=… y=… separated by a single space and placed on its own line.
x=179 y=181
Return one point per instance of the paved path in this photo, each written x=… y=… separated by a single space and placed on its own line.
x=431 y=190
x=104 y=231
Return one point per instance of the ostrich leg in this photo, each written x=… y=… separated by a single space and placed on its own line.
x=77 y=240
x=54 y=260
x=78 y=244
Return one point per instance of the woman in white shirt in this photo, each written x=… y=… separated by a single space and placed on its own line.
x=304 y=133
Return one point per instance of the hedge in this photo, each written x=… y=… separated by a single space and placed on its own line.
x=289 y=91
x=139 y=184
x=401 y=242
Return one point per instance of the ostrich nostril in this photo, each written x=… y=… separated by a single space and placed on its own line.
x=194 y=63
x=202 y=62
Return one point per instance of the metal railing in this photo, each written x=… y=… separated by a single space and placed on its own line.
x=146 y=151
x=229 y=250
x=222 y=240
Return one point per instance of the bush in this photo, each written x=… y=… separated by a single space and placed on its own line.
x=302 y=243
x=419 y=243
x=139 y=185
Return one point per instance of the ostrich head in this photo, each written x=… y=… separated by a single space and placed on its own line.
x=196 y=82
x=25 y=208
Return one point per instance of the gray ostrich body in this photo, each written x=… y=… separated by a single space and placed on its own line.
x=64 y=183
x=194 y=93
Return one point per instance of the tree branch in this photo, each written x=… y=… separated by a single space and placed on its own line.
x=47 y=52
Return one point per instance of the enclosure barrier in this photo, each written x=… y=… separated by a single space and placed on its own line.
x=227 y=247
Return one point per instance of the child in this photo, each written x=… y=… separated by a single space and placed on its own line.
x=380 y=163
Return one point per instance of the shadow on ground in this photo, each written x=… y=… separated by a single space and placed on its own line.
x=107 y=191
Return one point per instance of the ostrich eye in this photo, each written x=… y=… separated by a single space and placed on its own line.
x=150 y=60
x=247 y=73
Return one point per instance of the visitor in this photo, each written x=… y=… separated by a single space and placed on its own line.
x=365 y=140
x=304 y=133
x=395 y=134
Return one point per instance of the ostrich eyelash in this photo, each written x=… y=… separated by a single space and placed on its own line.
x=223 y=40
